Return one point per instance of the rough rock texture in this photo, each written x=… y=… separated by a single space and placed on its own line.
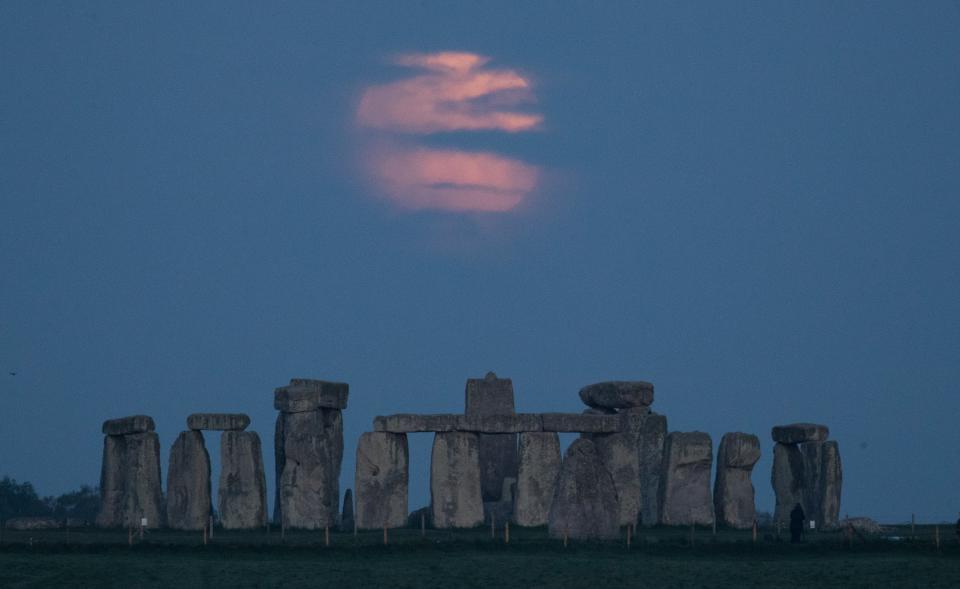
x=455 y=497
x=585 y=500
x=501 y=511
x=218 y=421
x=822 y=481
x=242 y=493
x=32 y=523
x=652 y=437
x=575 y=422
x=135 y=424
x=797 y=433
x=733 y=493
x=188 y=483
x=537 y=478
x=618 y=394
x=309 y=395
x=500 y=424
x=381 y=480
x=787 y=478
x=685 y=496
x=492 y=397
x=130 y=481
x=411 y=422
x=309 y=452
x=620 y=454
x=347 y=521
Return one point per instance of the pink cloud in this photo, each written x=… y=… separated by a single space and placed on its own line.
x=452 y=92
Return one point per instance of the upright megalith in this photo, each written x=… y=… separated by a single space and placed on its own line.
x=685 y=496
x=381 y=480
x=486 y=397
x=309 y=451
x=536 y=478
x=242 y=493
x=620 y=455
x=584 y=503
x=652 y=437
x=130 y=474
x=188 y=483
x=733 y=493
x=807 y=470
x=455 y=497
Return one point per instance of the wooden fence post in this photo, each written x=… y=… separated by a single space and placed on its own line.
x=423 y=525
x=506 y=533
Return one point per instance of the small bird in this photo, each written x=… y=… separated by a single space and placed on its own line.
x=13 y=374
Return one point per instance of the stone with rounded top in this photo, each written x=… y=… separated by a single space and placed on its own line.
x=218 y=421
x=242 y=495
x=381 y=480
x=584 y=502
x=618 y=394
x=303 y=394
x=733 y=492
x=134 y=424
x=798 y=433
x=188 y=483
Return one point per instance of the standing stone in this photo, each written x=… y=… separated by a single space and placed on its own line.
x=787 y=479
x=381 y=481
x=821 y=483
x=832 y=483
x=733 y=493
x=620 y=454
x=498 y=452
x=347 y=520
x=130 y=476
x=309 y=452
x=188 y=483
x=242 y=494
x=685 y=496
x=652 y=437
x=585 y=500
x=455 y=497
x=537 y=478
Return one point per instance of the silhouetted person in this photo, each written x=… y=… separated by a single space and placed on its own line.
x=796 y=523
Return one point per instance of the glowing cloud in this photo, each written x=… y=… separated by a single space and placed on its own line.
x=453 y=92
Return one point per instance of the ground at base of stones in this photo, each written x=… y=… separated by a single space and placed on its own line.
x=471 y=558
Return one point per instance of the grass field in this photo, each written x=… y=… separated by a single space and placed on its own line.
x=657 y=558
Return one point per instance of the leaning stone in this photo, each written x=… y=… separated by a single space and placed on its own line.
x=188 y=483
x=130 y=481
x=218 y=421
x=32 y=523
x=621 y=457
x=455 y=496
x=309 y=452
x=652 y=437
x=537 y=477
x=618 y=394
x=135 y=424
x=685 y=496
x=787 y=479
x=733 y=493
x=797 y=433
x=584 y=503
x=308 y=395
x=347 y=521
x=574 y=422
x=381 y=481
x=242 y=494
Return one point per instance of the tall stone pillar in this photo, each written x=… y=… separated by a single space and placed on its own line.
x=130 y=474
x=585 y=500
x=733 y=493
x=807 y=470
x=498 y=452
x=455 y=497
x=537 y=477
x=685 y=496
x=382 y=476
x=309 y=452
x=188 y=483
x=242 y=493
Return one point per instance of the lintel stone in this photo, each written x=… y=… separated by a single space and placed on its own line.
x=307 y=395
x=218 y=421
x=134 y=424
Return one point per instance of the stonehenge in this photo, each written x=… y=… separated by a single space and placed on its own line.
x=733 y=493
x=491 y=397
x=130 y=474
x=456 y=500
x=685 y=496
x=585 y=500
x=536 y=478
x=806 y=471
x=382 y=476
x=188 y=483
x=242 y=493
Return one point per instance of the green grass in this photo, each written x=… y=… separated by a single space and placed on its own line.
x=659 y=558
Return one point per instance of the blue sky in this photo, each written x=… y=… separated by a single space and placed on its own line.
x=753 y=206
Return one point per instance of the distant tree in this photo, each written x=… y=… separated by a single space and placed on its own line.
x=19 y=500
x=84 y=503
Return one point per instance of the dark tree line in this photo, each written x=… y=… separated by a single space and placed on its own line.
x=21 y=500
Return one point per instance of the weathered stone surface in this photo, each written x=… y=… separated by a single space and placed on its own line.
x=501 y=511
x=537 y=477
x=685 y=496
x=32 y=523
x=598 y=411
x=401 y=423
x=347 y=521
x=489 y=396
x=309 y=452
x=188 y=483
x=652 y=437
x=617 y=394
x=575 y=422
x=584 y=503
x=498 y=462
x=218 y=421
x=797 y=433
x=832 y=484
x=455 y=496
x=130 y=481
x=501 y=424
x=381 y=480
x=489 y=402
x=787 y=478
x=620 y=454
x=309 y=395
x=242 y=493
x=733 y=493
x=821 y=483
x=134 y=424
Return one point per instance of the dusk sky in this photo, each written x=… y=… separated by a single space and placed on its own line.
x=752 y=205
